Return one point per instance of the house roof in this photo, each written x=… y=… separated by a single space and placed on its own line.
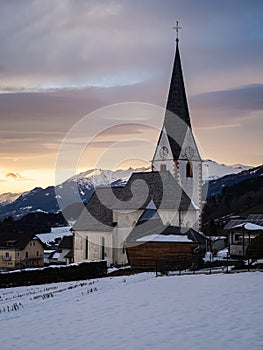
x=16 y=240
x=256 y=219
x=159 y=187
x=249 y=227
x=66 y=242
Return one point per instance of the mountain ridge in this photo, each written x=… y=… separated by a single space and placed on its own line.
x=81 y=186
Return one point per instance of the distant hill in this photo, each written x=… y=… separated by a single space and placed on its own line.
x=239 y=194
x=215 y=187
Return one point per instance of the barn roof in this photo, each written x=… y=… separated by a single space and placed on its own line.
x=156 y=228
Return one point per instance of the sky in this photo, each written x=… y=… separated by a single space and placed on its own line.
x=95 y=75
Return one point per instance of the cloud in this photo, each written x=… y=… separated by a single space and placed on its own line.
x=65 y=59
x=229 y=108
x=108 y=43
x=244 y=98
x=16 y=177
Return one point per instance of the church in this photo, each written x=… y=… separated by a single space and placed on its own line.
x=157 y=213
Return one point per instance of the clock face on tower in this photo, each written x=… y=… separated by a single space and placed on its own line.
x=189 y=152
x=163 y=152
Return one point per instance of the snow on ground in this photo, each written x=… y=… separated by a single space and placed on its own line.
x=216 y=312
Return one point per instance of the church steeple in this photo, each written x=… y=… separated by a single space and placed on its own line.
x=177 y=101
x=176 y=149
x=177 y=118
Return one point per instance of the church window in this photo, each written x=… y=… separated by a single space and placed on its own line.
x=102 y=248
x=162 y=167
x=189 y=169
x=87 y=247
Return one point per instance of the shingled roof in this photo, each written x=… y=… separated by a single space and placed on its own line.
x=16 y=240
x=160 y=187
x=66 y=242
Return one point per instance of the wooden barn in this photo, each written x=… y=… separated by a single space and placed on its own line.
x=152 y=243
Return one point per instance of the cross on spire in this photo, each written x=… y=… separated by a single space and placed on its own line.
x=177 y=28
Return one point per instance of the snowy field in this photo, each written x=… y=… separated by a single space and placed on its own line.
x=137 y=312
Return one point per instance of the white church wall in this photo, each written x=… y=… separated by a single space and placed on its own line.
x=94 y=245
x=169 y=217
x=126 y=220
x=190 y=219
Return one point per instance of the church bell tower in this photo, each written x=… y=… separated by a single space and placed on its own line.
x=176 y=149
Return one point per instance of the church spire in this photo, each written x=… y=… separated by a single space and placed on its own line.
x=177 y=101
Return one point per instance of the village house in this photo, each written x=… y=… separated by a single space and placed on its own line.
x=20 y=250
x=241 y=233
x=116 y=221
x=63 y=255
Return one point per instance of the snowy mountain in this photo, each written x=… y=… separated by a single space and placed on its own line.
x=69 y=192
x=216 y=186
x=7 y=198
x=213 y=170
x=81 y=186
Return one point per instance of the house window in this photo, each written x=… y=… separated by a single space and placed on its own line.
x=18 y=253
x=87 y=248
x=189 y=169
x=9 y=264
x=102 y=248
x=162 y=167
x=7 y=255
x=38 y=253
x=26 y=254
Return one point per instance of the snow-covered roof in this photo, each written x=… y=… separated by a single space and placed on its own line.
x=54 y=234
x=249 y=226
x=164 y=238
x=56 y=255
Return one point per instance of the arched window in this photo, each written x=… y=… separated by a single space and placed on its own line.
x=189 y=169
x=87 y=247
x=162 y=167
x=102 y=248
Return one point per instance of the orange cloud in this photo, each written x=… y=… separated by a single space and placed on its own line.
x=15 y=176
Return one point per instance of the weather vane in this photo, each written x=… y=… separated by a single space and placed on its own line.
x=177 y=28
